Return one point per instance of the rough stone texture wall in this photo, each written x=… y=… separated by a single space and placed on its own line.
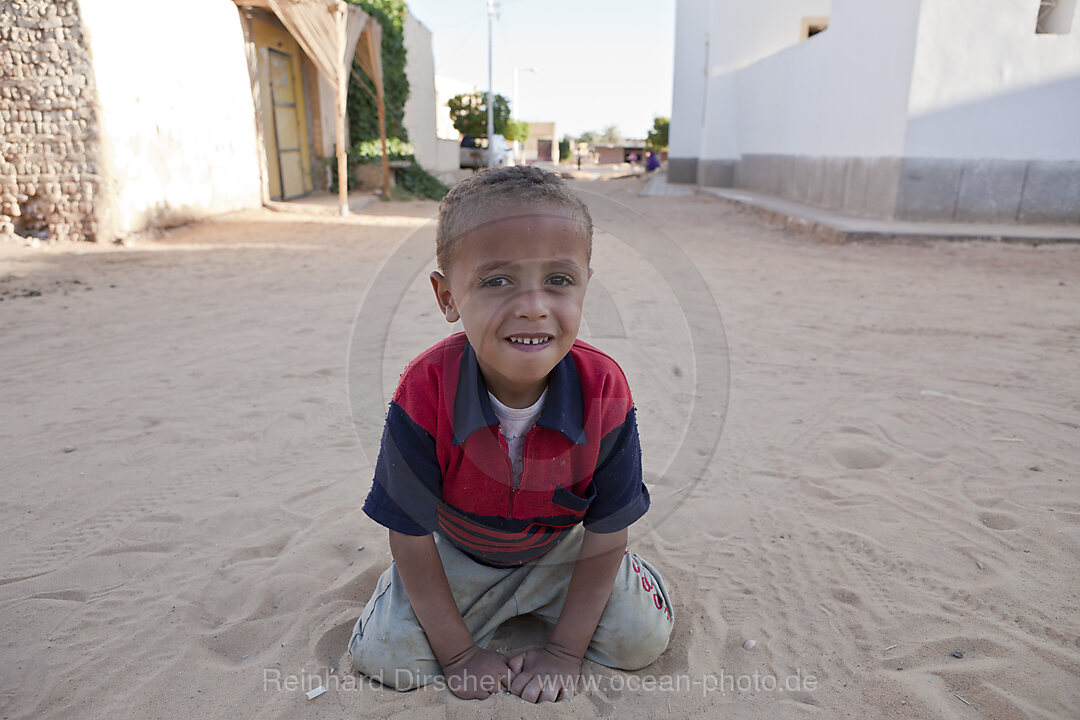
x=48 y=130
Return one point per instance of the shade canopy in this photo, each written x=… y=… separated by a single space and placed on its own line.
x=333 y=33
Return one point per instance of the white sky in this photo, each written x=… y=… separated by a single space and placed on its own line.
x=598 y=62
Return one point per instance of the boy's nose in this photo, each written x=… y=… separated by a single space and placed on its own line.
x=532 y=304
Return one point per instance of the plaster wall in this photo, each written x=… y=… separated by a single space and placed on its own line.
x=714 y=40
x=740 y=34
x=420 y=107
x=993 y=88
x=843 y=92
x=689 y=83
x=177 y=122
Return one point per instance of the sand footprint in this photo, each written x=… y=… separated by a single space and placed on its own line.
x=999 y=521
x=859 y=455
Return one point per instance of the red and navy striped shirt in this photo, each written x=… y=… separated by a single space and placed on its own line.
x=444 y=465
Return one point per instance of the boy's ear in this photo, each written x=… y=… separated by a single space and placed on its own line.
x=441 y=287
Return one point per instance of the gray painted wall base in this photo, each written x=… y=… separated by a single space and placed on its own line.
x=717 y=173
x=919 y=189
x=682 y=170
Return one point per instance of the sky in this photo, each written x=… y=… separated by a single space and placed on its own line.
x=597 y=62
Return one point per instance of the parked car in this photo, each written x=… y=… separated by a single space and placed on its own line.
x=474 y=151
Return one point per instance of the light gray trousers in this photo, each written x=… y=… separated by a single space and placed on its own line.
x=389 y=644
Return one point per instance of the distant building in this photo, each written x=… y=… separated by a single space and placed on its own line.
x=625 y=152
x=542 y=144
x=911 y=109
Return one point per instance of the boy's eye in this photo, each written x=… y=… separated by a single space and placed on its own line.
x=561 y=280
x=497 y=281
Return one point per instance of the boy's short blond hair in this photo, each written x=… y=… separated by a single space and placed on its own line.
x=494 y=193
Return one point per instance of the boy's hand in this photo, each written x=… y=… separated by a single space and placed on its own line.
x=477 y=673
x=553 y=672
x=545 y=675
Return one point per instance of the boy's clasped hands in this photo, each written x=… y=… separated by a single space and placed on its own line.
x=545 y=675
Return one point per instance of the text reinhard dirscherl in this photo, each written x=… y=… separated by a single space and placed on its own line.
x=756 y=682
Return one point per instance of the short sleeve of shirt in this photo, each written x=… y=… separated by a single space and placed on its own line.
x=406 y=490
x=621 y=495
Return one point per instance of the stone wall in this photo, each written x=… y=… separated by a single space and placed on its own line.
x=49 y=150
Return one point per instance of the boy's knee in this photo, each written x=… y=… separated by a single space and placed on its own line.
x=642 y=650
x=402 y=662
x=631 y=646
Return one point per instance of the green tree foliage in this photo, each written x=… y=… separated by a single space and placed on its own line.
x=564 y=149
x=469 y=114
x=657 y=139
x=419 y=182
x=516 y=130
x=362 y=108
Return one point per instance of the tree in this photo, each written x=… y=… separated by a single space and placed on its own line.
x=611 y=136
x=564 y=149
x=657 y=139
x=516 y=131
x=592 y=138
x=469 y=114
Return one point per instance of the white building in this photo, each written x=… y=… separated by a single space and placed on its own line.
x=107 y=129
x=426 y=114
x=915 y=109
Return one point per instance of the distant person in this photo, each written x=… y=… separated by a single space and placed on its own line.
x=510 y=466
x=652 y=162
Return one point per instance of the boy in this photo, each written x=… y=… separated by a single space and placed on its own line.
x=510 y=467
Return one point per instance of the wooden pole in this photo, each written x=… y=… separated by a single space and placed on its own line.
x=342 y=98
x=385 y=159
x=342 y=165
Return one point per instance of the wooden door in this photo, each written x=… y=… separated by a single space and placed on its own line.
x=286 y=122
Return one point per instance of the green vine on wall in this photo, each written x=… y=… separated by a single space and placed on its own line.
x=362 y=109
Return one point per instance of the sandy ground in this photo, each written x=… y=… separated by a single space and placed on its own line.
x=896 y=483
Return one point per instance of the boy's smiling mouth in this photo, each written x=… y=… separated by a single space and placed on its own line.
x=530 y=341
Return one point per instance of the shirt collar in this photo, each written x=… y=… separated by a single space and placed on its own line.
x=563 y=410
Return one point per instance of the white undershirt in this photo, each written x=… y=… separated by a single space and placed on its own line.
x=515 y=423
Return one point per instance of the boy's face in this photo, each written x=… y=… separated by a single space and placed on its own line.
x=518 y=285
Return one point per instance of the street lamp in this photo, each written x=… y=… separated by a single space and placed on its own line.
x=491 y=88
x=513 y=103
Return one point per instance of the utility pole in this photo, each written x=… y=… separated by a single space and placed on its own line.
x=491 y=89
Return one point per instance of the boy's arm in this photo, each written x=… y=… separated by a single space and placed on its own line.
x=543 y=674
x=471 y=672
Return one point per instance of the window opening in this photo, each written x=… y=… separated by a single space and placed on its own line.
x=811 y=26
x=1055 y=17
